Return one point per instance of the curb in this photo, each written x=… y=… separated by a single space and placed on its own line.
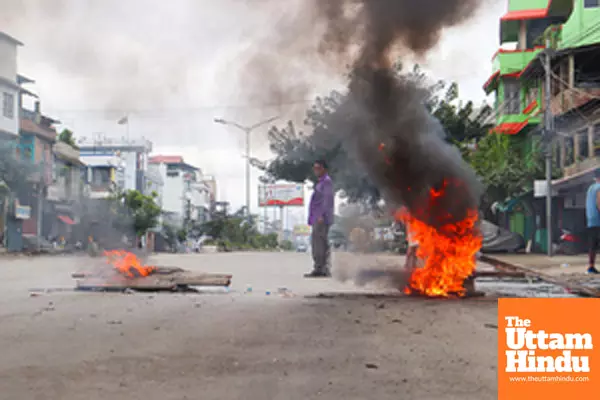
x=572 y=287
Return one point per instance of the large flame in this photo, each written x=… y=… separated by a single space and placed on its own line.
x=128 y=264
x=448 y=251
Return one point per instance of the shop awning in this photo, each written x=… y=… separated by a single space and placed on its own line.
x=67 y=220
x=525 y=14
x=510 y=128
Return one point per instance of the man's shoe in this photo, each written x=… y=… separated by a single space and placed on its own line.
x=592 y=270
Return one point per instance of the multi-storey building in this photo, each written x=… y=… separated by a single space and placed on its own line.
x=36 y=138
x=63 y=207
x=10 y=225
x=186 y=196
x=568 y=30
x=133 y=154
x=103 y=175
x=9 y=87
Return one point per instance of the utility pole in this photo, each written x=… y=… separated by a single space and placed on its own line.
x=247 y=130
x=548 y=133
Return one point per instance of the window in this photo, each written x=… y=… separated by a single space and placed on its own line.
x=100 y=176
x=597 y=140
x=172 y=170
x=512 y=97
x=582 y=138
x=8 y=105
x=532 y=94
x=591 y=3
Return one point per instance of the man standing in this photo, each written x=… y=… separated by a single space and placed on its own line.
x=320 y=217
x=592 y=211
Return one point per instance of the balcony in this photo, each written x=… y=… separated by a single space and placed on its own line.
x=581 y=166
x=513 y=61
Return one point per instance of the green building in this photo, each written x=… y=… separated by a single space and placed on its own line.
x=570 y=31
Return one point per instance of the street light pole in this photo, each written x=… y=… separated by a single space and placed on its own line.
x=248 y=131
x=548 y=133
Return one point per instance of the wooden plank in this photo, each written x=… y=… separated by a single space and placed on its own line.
x=116 y=281
x=572 y=287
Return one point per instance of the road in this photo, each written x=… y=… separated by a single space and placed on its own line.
x=348 y=345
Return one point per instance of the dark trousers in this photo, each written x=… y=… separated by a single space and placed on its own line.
x=593 y=242
x=320 y=247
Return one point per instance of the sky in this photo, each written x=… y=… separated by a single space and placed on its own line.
x=172 y=67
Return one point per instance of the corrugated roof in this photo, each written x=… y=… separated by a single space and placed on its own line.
x=166 y=160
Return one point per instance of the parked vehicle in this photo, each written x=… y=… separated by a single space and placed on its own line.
x=301 y=248
x=572 y=243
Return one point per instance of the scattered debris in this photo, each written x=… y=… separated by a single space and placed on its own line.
x=396 y=321
x=371 y=366
x=115 y=322
x=491 y=326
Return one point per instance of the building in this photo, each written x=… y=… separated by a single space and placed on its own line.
x=569 y=31
x=186 y=196
x=133 y=154
x=63 y=207
x=103 y=175
x=10 y=226
x=9 y=87
x=36 y=139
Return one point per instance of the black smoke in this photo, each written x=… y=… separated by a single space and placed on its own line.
x=387 y=127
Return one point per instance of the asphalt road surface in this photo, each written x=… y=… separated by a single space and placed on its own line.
x=346 y=345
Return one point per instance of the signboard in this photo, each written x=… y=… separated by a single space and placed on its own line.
x=281 y=195
x=302 y=230
x=22 y=212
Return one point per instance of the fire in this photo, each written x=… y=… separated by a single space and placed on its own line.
x=128 y=264
x=448 y=251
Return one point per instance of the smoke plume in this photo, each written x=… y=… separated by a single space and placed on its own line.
x=398 y=142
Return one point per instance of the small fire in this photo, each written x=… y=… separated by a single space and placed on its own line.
x=448 y=251
x=128 y=264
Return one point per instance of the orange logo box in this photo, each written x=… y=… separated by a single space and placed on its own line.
x=548 y=349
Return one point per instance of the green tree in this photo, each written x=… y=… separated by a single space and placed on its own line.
x=507 y=166
x=66 y=136
x=137 y=210
x=296 y=151
x=14 y=170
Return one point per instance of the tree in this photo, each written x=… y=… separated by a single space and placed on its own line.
x=507 y=167
x=66 y=136
x=137 y=210
x=14 y=170
x=296 y=151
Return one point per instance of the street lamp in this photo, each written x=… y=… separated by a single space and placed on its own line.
x=247 y=130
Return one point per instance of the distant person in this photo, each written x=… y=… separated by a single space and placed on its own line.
x=320 y=219
x=592 y=211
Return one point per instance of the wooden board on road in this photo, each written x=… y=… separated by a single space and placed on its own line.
x=166 y=278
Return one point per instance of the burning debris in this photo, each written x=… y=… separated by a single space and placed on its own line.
x=124 y=272
x=386 y=126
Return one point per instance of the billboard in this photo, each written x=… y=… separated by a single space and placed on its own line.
x=291 y=194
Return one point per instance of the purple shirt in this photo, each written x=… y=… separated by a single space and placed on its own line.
x=321 y=202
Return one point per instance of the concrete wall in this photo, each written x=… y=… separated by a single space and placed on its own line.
x=8 y=72
x=580 y=29
x=173 y=191
x=8 y=59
